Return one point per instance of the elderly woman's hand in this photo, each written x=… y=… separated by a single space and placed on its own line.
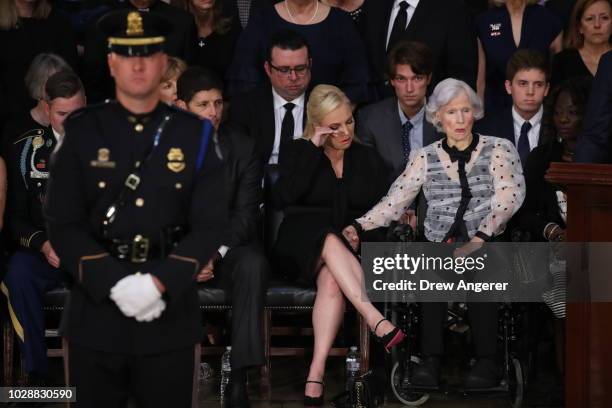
x=351 y=235
x=320 y=135
x=472 y=246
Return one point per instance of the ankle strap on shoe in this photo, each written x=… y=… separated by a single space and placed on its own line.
x=377 y=324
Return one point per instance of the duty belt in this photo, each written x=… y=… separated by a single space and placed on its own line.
x=141 y=249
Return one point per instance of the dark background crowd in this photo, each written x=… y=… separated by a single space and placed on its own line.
x=538 y=74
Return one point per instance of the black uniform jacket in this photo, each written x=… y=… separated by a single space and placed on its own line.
x=101 y=147
x=28 y=171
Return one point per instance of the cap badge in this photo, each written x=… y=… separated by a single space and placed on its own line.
x=134 y=24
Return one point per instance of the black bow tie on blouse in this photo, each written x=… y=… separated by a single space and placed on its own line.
x=461 y=155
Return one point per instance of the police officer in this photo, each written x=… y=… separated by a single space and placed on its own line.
x=33 y=269
x=135 y=206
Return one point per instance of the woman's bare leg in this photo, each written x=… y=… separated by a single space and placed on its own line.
x=327 y=316
x=348 y=274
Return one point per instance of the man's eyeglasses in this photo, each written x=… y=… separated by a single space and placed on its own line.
x=300 y=70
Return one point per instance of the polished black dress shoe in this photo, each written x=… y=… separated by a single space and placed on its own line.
x=237 y=396
x=427 y=373
x=314 y=401
x=484 y=374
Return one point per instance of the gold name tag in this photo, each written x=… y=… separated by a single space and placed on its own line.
x=39 y=175
x=102 y=164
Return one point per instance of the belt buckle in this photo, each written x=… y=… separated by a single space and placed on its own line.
x=132 y=181
x=140 y=249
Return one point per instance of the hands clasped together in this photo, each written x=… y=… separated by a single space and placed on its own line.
x=137 y=296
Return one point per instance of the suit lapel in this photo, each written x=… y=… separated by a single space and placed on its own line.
x=430 y=134
x=508 y=126
x=267 y=121
x=386 y=15
x=419 y=19
x=393 y=132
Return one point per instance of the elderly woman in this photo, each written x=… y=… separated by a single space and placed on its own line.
x=327 y=179
x=473 y=184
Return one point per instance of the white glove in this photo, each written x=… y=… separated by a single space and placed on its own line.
x=152 y=312
x=135 y=293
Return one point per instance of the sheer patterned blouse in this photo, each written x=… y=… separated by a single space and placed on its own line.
x=494 y=191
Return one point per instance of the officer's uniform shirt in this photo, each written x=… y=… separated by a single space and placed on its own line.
x=28 y=170
x=101 y=147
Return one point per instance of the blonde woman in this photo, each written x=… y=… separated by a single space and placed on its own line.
x=327 y=179
x=28 y=28
x=167 y=87
x=508 y=26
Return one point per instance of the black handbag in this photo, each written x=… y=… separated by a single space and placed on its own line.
x=366 y=392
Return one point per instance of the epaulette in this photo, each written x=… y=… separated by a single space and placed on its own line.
x=88 y=108
x=29 y=134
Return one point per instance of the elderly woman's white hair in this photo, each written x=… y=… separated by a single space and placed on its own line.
x=445 y=92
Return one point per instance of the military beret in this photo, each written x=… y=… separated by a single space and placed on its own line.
x=133 y=33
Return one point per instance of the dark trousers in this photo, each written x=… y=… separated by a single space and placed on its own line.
x=108 y=380
x=28 y=277
x=243 y=273
x=483 y=325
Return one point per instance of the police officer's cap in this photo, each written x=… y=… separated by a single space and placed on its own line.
x=133 y=33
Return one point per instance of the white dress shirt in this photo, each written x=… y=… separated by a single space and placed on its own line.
x=279 y=114
x=412 y=4
x=534 y=133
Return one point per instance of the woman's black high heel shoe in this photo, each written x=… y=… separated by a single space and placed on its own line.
x=314 y=401
x=390 y=339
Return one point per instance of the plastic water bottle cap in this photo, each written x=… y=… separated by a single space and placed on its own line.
x=229 y=348
x=353 y=348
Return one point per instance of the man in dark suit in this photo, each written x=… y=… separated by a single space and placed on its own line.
x=181 y=44
x=239 y=263
x=135 y=206
x=444 y=25
x=275 y=114
x=396 y=127
x=596 y=144
x=527 y=81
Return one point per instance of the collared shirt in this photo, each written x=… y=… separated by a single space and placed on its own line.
x=412 y=4
x=534 y=133
x=279 y=114
x=58 y=137
x=416 y=134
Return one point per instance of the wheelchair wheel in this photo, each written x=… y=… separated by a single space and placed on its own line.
x=402 y=389
x=516 y=384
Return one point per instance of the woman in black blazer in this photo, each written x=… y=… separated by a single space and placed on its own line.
x=327 y=179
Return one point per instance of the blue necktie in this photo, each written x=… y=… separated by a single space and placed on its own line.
x=406 y=128
x=523 y=143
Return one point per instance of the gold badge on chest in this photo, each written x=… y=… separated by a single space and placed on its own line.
x=103 y=159
x=176 y=159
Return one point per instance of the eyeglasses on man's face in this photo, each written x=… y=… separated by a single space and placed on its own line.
x=299 y=70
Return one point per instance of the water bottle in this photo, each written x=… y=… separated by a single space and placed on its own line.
x=352 y=368
x=226 y=370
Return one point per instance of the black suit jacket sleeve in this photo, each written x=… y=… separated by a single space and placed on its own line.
x=67 y=213
x=298 y=167
x=244 y=167
x=22 y=229
x=362 y=130
x=595 y=145
x=207 y=218
x=461 y=46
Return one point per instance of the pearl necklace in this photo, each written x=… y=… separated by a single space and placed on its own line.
x=311 y=18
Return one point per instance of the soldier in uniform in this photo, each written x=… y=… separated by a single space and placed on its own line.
x=33 y=269
x=135 y=207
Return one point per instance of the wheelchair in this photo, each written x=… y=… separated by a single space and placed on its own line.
x=406 y=356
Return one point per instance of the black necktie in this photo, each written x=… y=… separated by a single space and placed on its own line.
x=288 y=124
x=523 y=143
x=399 y=25
x=406 y=128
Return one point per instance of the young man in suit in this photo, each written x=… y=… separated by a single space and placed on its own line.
x=527 y=81
x=276 y=113
x=396 y=126
x=239 y=263
x=596 y=143
x=444 y=25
